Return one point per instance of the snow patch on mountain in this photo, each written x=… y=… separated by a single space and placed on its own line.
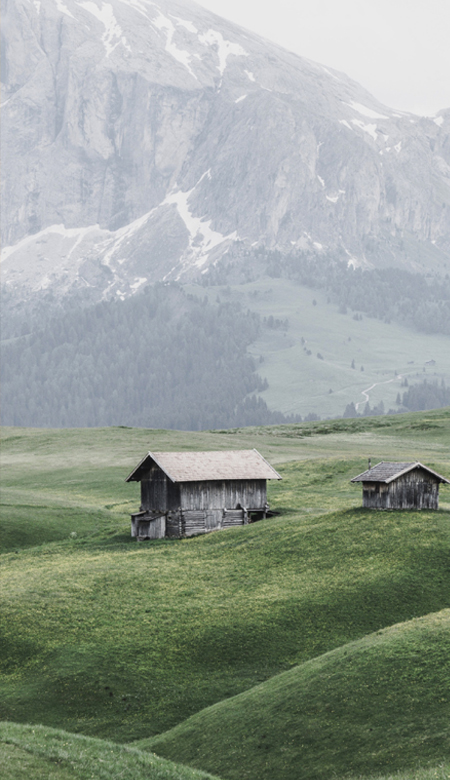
x=370 y=129
x=139 y=281
x=202 y=238
x=138 y=6
x=111 y=245
x=333 y=75
x=163 y=23
x=61 y=7
x=49 y=256
x=40 y=238
x=224 y=48
x=133 y=127
x=356 y=262
x=113 y=31
x=187 y=25
x=55 y=255
x=365 y=111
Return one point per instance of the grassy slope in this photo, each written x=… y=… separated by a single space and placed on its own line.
x=441 y=771
x=300 y=383
x=129 y=640
x=42 y=753
x=65 y=481
x=108 y=637
x=50 y=754
x=382 y=703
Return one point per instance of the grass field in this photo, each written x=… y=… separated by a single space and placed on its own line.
x=40 y=753
x=301 y=383
x=109 y=638
x=380 y=703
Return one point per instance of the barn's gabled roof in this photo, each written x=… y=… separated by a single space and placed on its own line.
x=388 y=472
x=207 y=466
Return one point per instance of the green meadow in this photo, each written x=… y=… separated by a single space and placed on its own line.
x=299 y=382
x=41 y=753
x=330 y=714
x=313 y=644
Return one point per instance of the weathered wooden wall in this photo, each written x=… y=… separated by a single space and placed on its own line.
x=229 y=494
x=201 y=521
x=145 y=526
x=191 y=508
x=415 y=490
x=158 y=492
x=191 y=522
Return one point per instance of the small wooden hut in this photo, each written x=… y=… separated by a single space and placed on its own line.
x=188 y=493
x=400 y=486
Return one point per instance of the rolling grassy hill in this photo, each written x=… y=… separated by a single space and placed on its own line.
x=42 y=753
x=380 y=703
x=127 y=640
x=110 y=638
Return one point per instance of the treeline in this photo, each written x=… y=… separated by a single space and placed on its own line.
x=161 y=359
x=389 y=294
x=418 y=398
x=424 y=396
x=368 y=411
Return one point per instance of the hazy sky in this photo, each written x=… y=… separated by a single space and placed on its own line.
x=398 y=49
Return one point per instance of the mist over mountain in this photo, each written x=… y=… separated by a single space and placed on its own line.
x=142 y=141
x=147 y=142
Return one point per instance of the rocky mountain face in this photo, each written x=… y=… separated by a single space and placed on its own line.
x=142 y=140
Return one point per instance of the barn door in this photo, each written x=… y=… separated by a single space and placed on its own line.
x=213 y=519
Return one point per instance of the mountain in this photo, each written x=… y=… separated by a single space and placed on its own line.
x=142 y=141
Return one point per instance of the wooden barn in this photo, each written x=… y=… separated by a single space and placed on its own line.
x=400 y=486
x=188 y=493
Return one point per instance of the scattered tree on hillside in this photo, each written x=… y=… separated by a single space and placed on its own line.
x=388 y=294
x=420 y=397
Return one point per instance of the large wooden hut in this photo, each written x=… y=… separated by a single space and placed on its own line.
x=187 y=493
x=400 y=486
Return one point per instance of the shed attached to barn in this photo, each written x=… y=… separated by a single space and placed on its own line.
x=400 y=486
x=188 y=493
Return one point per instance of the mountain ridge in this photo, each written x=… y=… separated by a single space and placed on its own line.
x=142 y=141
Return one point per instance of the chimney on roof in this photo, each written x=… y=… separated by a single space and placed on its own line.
x=370 y=464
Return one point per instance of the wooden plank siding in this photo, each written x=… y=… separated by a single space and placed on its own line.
x=182 y=524
x=230 y=494
x=158 y=492
x=146 y=526
x=185 y=494
x=192 y=508
x=414 y=490
x=233 y=517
